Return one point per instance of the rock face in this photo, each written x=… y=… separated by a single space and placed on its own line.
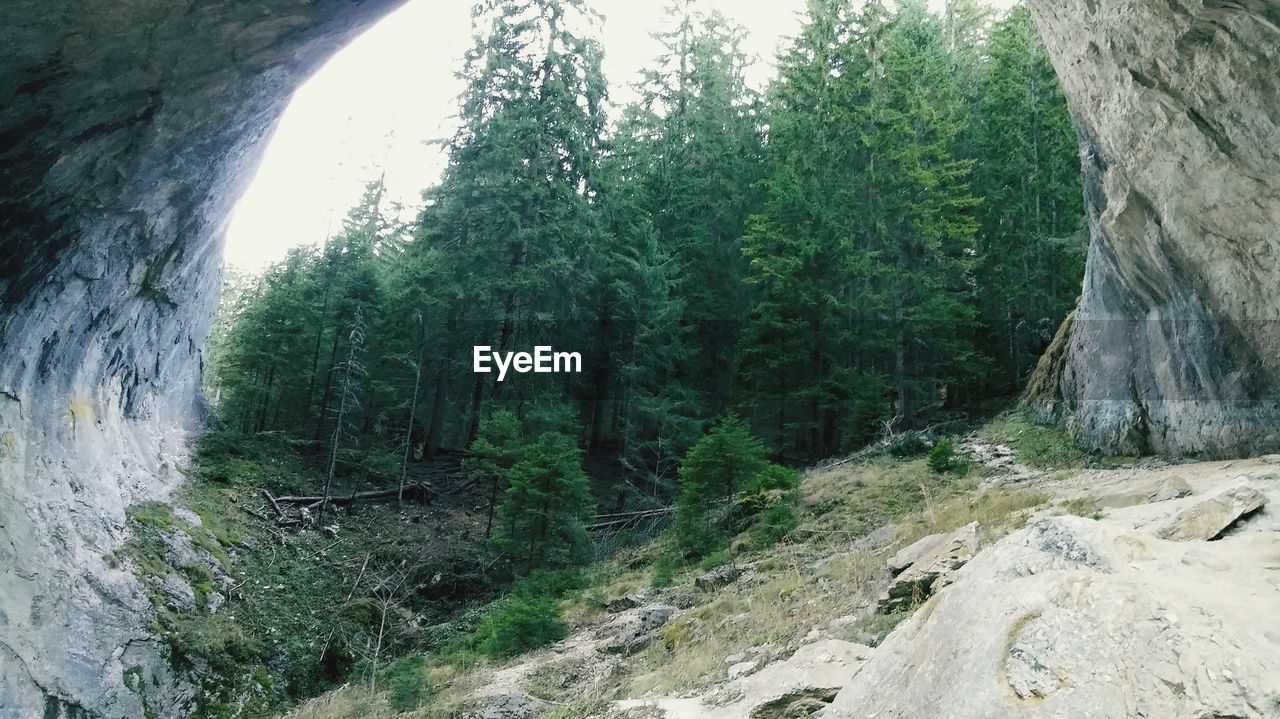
x=1209 y=518
x=127 y=132
x=794 y=687
x=1175 y=347
x=939 y=557
x=1072 y=617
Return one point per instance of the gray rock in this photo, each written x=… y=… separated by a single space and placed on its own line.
x=1171 y=488
x=1131 y=626
x=932 y=571
x=511 y=705
x=717 y=578
x=178 y=593
x=1175 y=347
x=632 y=630
x=792 y=687
x=131 y=129
x=911 y=553
x=1209 y=518
x=809 y=679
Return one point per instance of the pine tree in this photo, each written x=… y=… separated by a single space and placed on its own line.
x=704 y=128
x=1030 y=249
x=726 y=461
x=348 y=401
x=545 y=506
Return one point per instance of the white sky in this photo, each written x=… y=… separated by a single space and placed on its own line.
x=376 y=106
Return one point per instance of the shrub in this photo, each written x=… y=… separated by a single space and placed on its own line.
x=775 y=476
x=553 y=583
x=664 y=571
x=726 y=461
x=518 y=624
x=406 y=682
x=774 y=523
x=943 y=456
x=718 y=558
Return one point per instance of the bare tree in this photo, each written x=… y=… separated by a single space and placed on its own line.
x=413 y=406
x=351 y=372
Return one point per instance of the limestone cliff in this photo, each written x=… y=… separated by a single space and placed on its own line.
x=1176 y=344
x=127 y=132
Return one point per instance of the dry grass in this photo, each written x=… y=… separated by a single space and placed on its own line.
x=820 y=574
x=829 y=575
x=344 y=703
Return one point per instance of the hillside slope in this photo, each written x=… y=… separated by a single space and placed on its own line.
x=1017 y=590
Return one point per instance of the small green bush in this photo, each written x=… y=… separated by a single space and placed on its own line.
x=406 y=682
x=552 y=583
x=775 y=476
x=718 y=558
x=518 y=624
x=664 y=571
x=942 y=457
x=726 y=462
x=774 y=524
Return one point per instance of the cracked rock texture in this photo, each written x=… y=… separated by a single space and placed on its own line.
x=1176 y=344
x=128 y=130
x=1093 y=619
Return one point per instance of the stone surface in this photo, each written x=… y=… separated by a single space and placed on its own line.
x=633 y=629
x=933 y=570
x=512 y=705
x=1072 y=617
x=1175 y=347
x=912 y=553
x=178 y=594
x=717 y=578
x=796 y=686
x=1171 y=488
x=128 y=130
x=1210 y=517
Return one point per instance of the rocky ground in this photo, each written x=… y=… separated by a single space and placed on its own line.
x=1145 y=590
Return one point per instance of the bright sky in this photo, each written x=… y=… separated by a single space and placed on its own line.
x=378 y=105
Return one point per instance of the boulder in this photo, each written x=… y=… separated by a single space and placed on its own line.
x=1072 y=617
x=633 y=629
x=931 y=572
x=1209 y=518
x=809 y=679
x=1174 y=346
x=510 y=705
x=717 y=578
x=912 y=553
x=177 y=593
x=792 y=687
x=1172 y=488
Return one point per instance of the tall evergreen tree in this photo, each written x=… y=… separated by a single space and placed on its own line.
x=1030 y=250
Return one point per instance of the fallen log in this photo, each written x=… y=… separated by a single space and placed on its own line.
x=424 y=491
x=274 y=504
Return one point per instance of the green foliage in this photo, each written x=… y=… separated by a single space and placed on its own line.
x=774 y=523
x=545 y=504
x=718 y=558
x=519 y=623
x=1040 y=446
x=775 y=477
x=553 y=583
x=723 y=463
x=664 y=570
x=942 y=457
x=406 y=682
